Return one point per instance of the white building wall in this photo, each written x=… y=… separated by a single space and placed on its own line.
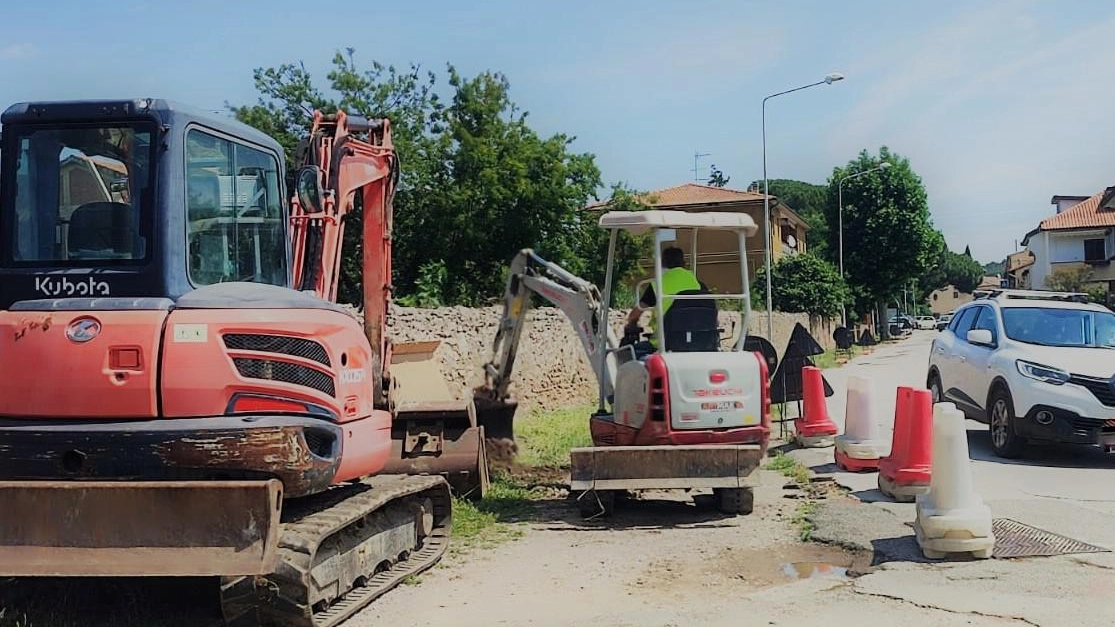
x=1065 y=248
x=1038 y=245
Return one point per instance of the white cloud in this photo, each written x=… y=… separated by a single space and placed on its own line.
x=16 y=51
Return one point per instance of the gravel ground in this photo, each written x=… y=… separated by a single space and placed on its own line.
x=653 y=558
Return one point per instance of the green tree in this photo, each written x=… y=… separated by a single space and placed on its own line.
x=995 y=267
x=948 y=268
x=968 y=252
x=629 y=248
x=716 y=177
x=808 y=201
x=288 y=98
x=805 y=283
x=963 y=272
x=478 y=183
x=1069 y=279
x=888 y=236
x=934 y=276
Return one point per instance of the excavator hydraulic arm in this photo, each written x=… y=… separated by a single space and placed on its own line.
x=581 y=303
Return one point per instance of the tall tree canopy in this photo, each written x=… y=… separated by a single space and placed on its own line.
x=888 y=237
x=478 y=183
x=949 y=268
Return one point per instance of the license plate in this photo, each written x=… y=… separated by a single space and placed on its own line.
x=719 y=406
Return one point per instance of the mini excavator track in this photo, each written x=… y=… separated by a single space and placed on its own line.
x=340 y=550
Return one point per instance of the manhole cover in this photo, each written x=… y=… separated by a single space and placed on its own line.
x=1014 y=539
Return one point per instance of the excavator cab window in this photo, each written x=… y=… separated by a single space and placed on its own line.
x=80 y=195
x=236 y=227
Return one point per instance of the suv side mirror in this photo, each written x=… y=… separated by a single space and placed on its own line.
x=981 y=337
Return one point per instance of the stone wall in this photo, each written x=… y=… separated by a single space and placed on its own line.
x=551 y=370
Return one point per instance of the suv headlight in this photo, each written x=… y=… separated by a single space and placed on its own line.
x=1048 y=374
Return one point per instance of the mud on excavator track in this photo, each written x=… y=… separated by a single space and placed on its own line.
x=340 y=550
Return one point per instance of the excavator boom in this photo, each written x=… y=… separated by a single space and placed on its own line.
x=578 y=299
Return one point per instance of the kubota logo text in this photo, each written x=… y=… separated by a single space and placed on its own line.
x=51 y=286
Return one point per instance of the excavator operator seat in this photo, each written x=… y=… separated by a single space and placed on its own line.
x=691 y=325
x=104 y=230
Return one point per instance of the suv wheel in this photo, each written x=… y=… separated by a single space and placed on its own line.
x=1005 y=442
x=935 y=389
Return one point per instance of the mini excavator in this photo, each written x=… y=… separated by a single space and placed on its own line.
x=677 y=411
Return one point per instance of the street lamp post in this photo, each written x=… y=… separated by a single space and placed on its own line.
x=828 y=80
x=840 y=229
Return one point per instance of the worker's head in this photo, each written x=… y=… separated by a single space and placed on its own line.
x=672 y=257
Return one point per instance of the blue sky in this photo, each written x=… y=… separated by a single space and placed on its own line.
x=998 y=105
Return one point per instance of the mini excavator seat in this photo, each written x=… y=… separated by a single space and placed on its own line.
x=692 y=325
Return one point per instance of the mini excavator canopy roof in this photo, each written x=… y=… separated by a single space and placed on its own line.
x=638 y=222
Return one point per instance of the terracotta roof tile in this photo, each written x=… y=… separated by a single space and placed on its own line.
x=690 y=194
x=1085 y=215
x=695 y=194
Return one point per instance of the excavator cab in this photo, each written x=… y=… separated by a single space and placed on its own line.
x=136 y=199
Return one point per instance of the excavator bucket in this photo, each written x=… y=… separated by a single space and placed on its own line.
x=497 y=419
x=434 y=432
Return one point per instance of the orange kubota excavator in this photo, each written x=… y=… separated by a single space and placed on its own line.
x=181 y=394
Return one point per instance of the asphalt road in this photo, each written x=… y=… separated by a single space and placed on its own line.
x=1068 y=490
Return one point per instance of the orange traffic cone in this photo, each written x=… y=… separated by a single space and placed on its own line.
x=905 y=473
x=814 y=429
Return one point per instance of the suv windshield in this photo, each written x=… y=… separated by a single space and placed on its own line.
x=77 y=195
x=1047 y=326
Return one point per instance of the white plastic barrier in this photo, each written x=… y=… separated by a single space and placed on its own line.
x=951 y=517
x=860 y=445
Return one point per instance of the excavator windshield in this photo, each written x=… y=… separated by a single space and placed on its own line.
x=77 y=195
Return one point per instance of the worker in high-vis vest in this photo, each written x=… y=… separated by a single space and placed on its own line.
x=676 y=278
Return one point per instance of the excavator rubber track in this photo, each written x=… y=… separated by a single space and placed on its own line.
x=340 y=550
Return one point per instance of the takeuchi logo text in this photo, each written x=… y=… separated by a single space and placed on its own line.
x=51 y=286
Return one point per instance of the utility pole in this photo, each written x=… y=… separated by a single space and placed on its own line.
x=696 y=168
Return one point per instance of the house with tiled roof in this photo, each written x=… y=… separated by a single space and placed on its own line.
x=1017 y=269
x=1080 y=234
x=718 y=262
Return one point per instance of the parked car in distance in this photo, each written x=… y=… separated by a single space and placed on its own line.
x=901 y=325
x=943 y=321
x=1034 y=366
x=926 y=323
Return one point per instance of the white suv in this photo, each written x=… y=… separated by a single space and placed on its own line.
x=1033 y=365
